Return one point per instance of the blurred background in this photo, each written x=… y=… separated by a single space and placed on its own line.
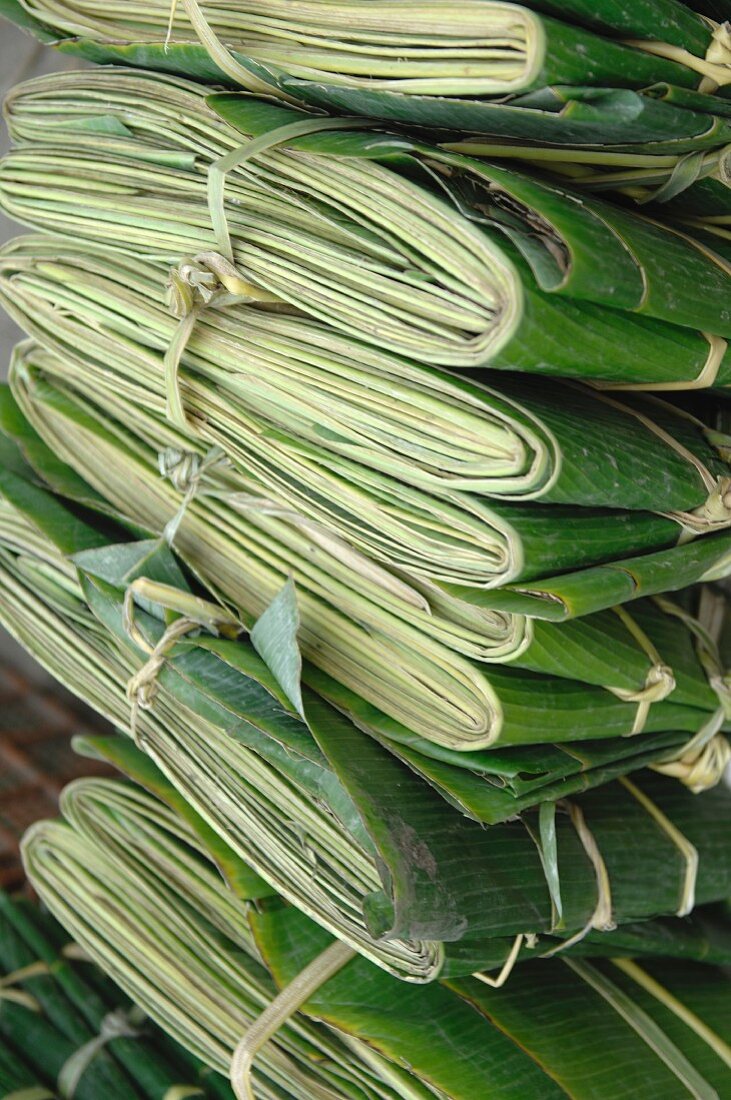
x=37 y=717
x=21 y=58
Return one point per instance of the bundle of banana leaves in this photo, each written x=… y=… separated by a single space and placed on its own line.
x=39 y=582
x=484 y=624
x=424 y=761
x=248 y=374
x=420 y=251
x=67 y=1030
x=423 y=63
x=191 y=960
x=279 y=396
x=659 y=1022
x=326 y=812
x=407 y=661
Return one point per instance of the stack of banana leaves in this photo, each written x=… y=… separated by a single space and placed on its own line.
x=444 y=258
x=471 y=69
x=67 y=1030
x=613 y=673
x=352 y=471
x=621 y=98
x=151 y=906
x=377 y=834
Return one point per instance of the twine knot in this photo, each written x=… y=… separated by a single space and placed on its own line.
x=185 y=470
x=209 y=279
x=196 y=281
x=700 y=769
x=659 y=683
x=194 y=613
x=717 y=509
x=182 y=468
x=714 y=514
x=143 y=687
x=719 y=51
x=115 y=1025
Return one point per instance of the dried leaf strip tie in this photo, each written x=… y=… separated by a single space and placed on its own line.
x=703 y=761
x=116 y=1025
x=211 y=278
x=282 y=1008
x=660 y=680
x=194 y=613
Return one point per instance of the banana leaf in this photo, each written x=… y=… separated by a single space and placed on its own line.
x=560 y=115
x=479 y=545
x=78 y=1004
x=429 y=273
x=502 y=782
x=246 y=375
x=672 y=185
x=666 y=20
x=543 y=644
x=491 y=787
x=703 y=1050
x=531 y=1002
x=121 y=845
x=617 y=659
x=564 y=597
x=693 y=101
x=205 y=1002
x=238 y=753
x=354 y=757
x=486 y=49
x=437 y=693
x=116 y=839
x=704 y=936
x=558 y=599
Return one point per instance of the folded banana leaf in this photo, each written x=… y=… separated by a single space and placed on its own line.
x=563 y=114
x=248 y=375
x=705 y=936
x=44 y=601
x=568 y=116
x=345 y=591
x=464 y=540
x=357 y=230
x=57 y=1005
x=537 y=993
x=491 y=787
x=486 y=48
x=226 y=736
x=672 y=185
x=436 y=691
x=205 y=1003
x=558 y=599
x=121 y=845
x=570 y=595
